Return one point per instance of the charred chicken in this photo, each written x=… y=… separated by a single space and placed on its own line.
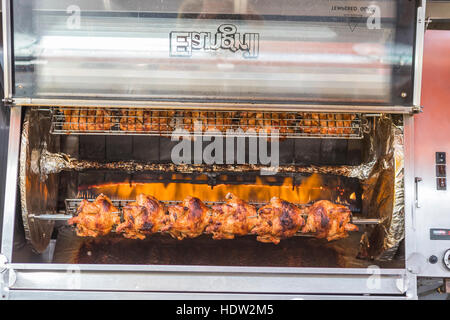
x=329 y=220
x=277 y=220
x=145 y=216
x=96 y=218
x=188 y=220
x=233 y=218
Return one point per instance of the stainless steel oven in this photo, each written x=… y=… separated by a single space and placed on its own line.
x=301 y=100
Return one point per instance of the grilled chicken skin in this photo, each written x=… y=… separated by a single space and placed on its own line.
x=277 y=220
x=329 y=220
x=188 y=220
x=96 y=218
x=145 y=216
x=233 y=218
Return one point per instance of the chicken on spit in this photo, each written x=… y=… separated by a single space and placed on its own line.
x=96 y=218
x=277 y=220
x=233 y=218
x=329 y=220
x=188 y=220
x=145 y=216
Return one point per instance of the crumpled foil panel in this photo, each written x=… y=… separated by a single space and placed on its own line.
x=38 y=195
x=383 y=193
x=51 y=163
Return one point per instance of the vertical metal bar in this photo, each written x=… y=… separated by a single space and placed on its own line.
x=410 y=210
x=418 y=59
x=7 y=52
x=11 y=182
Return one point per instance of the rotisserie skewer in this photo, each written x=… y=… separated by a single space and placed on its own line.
x=275 y=221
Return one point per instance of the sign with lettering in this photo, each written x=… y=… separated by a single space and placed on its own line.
x=182 y=44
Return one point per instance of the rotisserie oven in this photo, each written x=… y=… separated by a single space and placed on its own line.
x=210 y=148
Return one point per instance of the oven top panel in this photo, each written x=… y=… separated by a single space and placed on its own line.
x=234 y=51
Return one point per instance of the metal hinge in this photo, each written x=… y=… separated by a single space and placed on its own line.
x=417 y=109
x=8 y=101
x=427 y=22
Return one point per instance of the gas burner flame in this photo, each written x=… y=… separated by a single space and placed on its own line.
x=311 y=189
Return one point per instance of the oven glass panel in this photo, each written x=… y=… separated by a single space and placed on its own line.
x=314 y=51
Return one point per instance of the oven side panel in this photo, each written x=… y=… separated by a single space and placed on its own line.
x=432 y=131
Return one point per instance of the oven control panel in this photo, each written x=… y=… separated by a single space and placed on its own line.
x=441 y=170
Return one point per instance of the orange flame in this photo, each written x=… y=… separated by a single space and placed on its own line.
x=311 y=189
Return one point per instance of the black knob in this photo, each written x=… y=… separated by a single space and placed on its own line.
x=433 y=259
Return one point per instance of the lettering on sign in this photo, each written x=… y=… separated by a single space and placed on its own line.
x=227 y=37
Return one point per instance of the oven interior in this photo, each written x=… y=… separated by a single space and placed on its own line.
x=356 y=169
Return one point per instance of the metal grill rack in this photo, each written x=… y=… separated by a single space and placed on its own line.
x=150 y=122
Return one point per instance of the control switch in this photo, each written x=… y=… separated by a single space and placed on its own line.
x=447 y=259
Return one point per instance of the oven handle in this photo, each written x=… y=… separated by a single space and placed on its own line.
x=417 y=181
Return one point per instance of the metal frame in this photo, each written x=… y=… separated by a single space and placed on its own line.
x=400 y=105
x=207 y=279
x=223 y=106
x=130 y=281
x=7 y=49
x=75 y=295
x=410 y=222
x=418 y=59
x=11 y=183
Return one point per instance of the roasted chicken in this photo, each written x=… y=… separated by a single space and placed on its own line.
x=277 y=220
x=329 y=220
x=233 y=218
x=96 y=218
x=326 y=123
x=145 y=216
x=188 y=220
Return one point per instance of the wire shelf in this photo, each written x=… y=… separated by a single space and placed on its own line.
x=150 y=122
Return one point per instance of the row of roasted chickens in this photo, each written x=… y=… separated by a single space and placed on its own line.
x=143 y=120
x=275 y=221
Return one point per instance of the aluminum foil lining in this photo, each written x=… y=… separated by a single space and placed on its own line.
x=37 y=195
x=381 y=176
x=383 y=193
x=51 y=163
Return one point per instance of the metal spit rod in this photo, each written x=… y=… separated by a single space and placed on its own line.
x=65 y=217
x=71 y=205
